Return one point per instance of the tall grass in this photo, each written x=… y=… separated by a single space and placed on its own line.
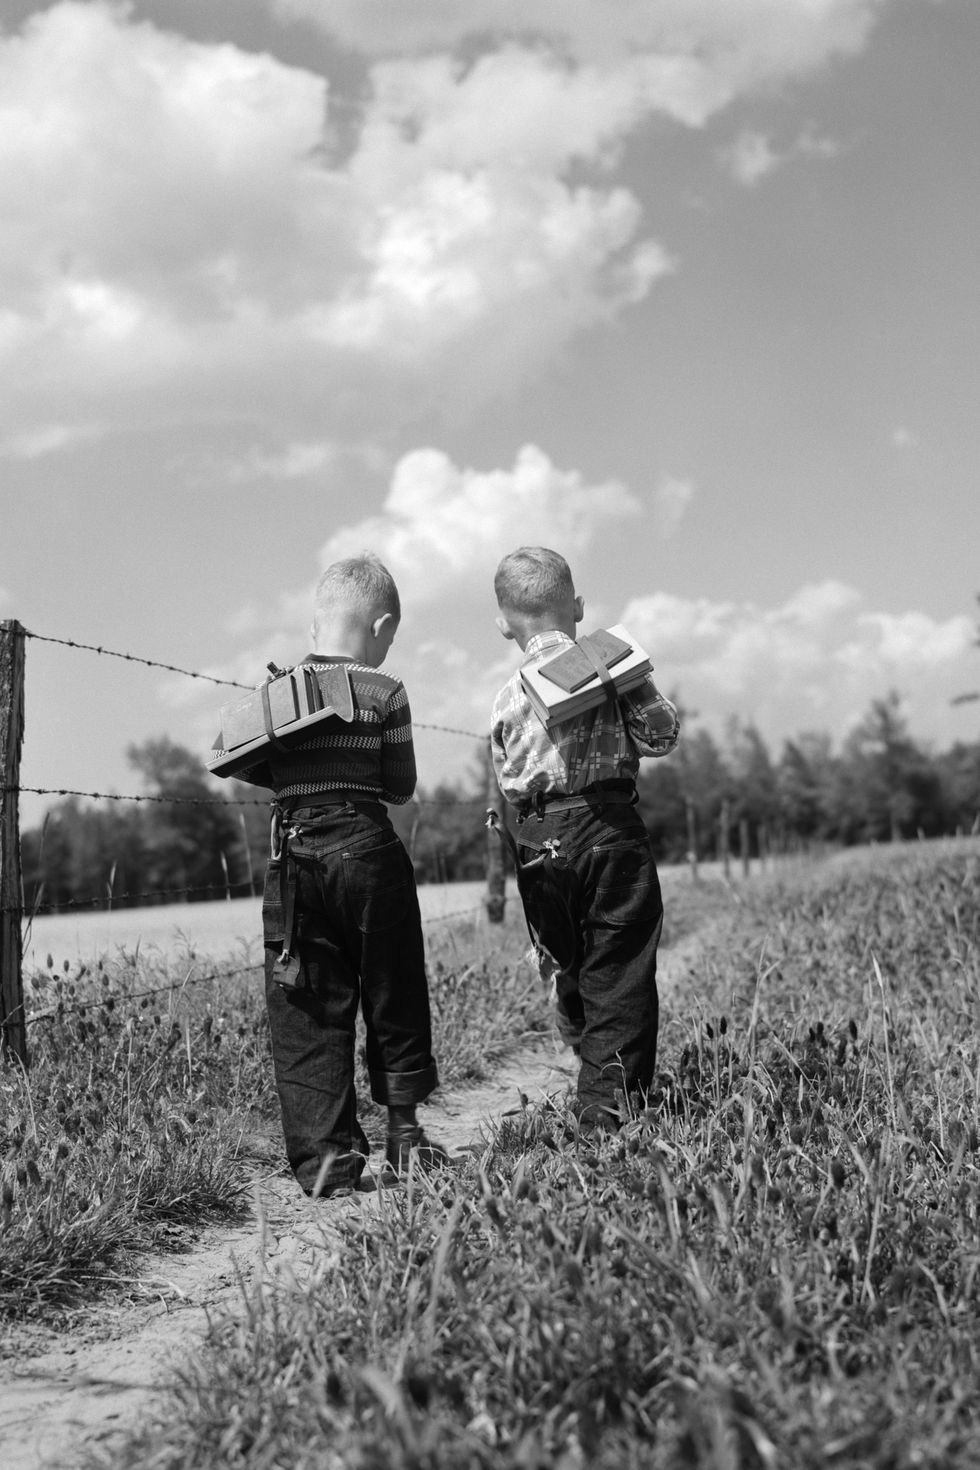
x=150 y=1106
x=775 y=1263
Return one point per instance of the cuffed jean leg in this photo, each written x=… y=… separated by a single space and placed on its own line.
x=618 y=980
x=394 y=984
x=618 y=1046
x=604 y=873
x=313 y=1056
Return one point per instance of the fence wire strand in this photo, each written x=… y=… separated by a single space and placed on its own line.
x=111 y=1001
x=191 y=801
x=221 y=801
x=210 y=678
x=133 y=658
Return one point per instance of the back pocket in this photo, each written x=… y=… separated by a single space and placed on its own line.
x=381 y=881
x=627 y=887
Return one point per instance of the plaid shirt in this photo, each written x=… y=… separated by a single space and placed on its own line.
x=601 y=744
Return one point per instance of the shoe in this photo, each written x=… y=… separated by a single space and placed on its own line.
x=410 y=1142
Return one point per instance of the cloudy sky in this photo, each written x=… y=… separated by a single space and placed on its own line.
x=686 y=289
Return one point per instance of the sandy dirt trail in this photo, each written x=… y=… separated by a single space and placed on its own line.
x=67 y=1392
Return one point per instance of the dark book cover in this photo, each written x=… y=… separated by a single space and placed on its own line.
x=572 y=668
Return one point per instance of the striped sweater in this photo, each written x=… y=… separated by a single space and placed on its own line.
x=372 y=758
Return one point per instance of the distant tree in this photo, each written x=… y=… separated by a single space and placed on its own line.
x=805 y=783
x=663 y=806
x=974 y=694
x=46 y=858
x=958 y=770
x=695 y=772
x=251 y=808
x=184 y=842
x=754 y=782
x=889 y=785
x=443 y=828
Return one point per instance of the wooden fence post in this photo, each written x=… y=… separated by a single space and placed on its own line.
x=692 y=838
x=13 y=1031
x=495 y=900
x=724 y=821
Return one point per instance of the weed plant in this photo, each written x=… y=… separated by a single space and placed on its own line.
x=132 y=1125
x=150 y=1105
x=773 y=1264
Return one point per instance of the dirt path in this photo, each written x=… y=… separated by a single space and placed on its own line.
x=84 y=1385
x=78 y=1389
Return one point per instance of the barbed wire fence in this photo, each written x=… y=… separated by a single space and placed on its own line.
x=14 y=1018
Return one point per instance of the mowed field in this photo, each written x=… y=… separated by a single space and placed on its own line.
x=220 y=930
x=225 y=930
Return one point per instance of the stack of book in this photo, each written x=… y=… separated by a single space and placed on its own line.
x=286 y=706
x=570 y=683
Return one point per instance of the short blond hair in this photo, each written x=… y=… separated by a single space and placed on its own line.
x=533 y=580
x=361 y=582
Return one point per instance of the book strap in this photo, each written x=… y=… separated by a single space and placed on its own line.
x=595 y=658
x=271 y=735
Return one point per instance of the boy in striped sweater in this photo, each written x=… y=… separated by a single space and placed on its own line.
x=341 y=916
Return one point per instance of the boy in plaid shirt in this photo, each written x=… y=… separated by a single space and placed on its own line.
x=586 y=871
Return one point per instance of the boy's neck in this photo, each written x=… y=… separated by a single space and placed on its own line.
x=364 y=638
x=342 y=638
x=540 y=628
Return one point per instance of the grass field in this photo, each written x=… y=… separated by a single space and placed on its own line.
x=219 y=929
x=775 y=1263
x=222 y=929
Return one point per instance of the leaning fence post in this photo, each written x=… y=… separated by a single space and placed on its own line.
x=724 y=822
x=743 y=844
x=495 y=900
x=692 y=838
x=13 y=1031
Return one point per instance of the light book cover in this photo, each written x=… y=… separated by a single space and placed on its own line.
x=553 y=704
x=296 y=700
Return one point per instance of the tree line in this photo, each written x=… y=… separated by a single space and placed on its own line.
x=189 y=841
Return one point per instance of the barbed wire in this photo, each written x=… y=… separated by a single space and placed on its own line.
x=190 y=801
x=449 y=730
x=165 y=800
x=454 y=914
x=133 y=658
x=210 y=678
x=129 y=899
x=220 y=801
x=110 y=1001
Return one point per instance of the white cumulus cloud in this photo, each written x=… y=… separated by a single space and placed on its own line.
x=750 y=158
x=441 y=526
x=180 y=238
x=813 y=663
x=671 y=499
x=185 y=236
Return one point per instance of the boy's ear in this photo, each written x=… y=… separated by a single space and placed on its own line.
x=379 y=623
x=579 y=609
x=503 y=625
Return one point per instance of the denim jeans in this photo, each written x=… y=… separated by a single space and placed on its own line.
x=596 y=906
x=359 y=941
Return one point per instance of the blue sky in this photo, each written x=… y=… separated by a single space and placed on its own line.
x=687 y=289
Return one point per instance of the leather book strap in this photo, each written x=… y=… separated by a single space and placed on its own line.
x=271 y=735
x=598 y=663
